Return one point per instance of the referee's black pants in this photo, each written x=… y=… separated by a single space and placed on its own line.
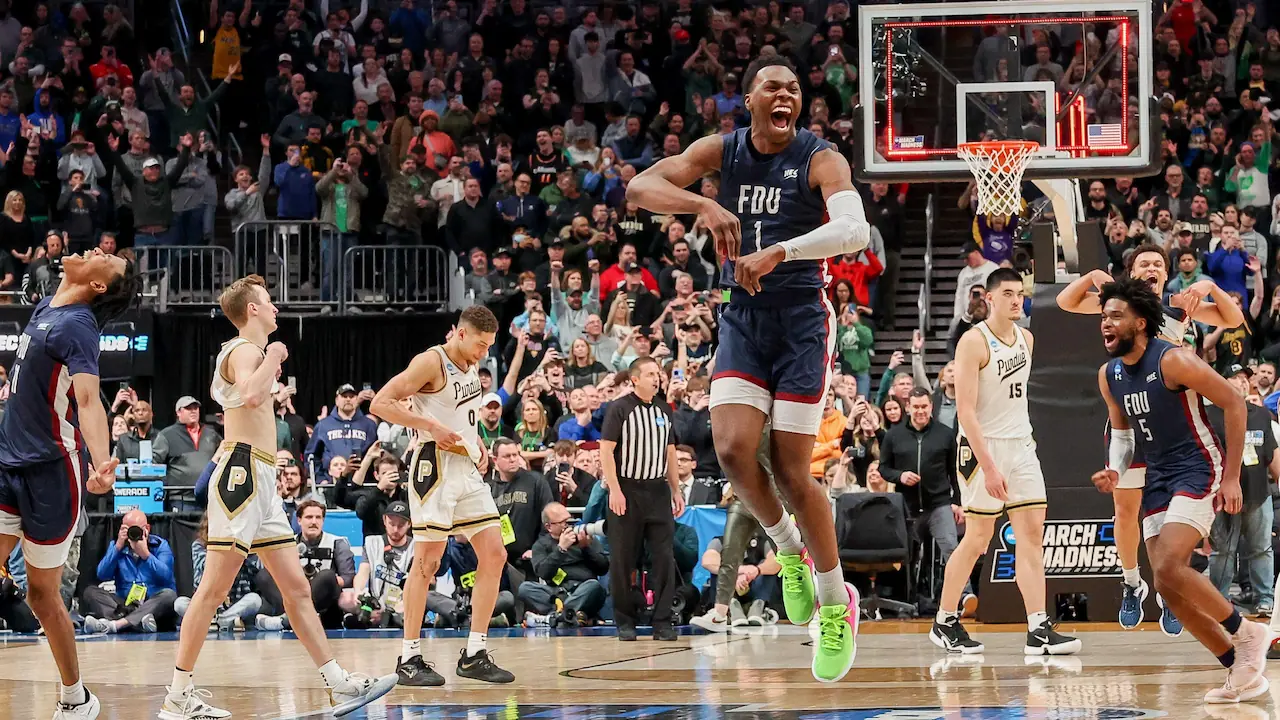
x=648 y=523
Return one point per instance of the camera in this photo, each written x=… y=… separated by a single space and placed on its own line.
x=310 y=559
x=134 y=533
x=364 y=612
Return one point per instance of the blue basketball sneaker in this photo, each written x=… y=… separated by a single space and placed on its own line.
x=1131 y=614
x=1169 y=625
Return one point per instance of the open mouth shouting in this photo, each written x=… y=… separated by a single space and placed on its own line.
x=781 y=116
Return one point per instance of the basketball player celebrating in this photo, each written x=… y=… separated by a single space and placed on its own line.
x=1150 y=264
x=1155 y=396
x=777 y=186
x=53 y=402
x=245 y=515
x=998 y=469
x=447 y=491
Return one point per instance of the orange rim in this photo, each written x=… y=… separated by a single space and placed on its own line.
x=1002 y=153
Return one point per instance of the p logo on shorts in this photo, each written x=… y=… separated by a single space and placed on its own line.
x=426 y=471
x=966 y=463
x=235 y=487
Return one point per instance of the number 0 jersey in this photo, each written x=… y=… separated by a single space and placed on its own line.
x=1002 y=386
x=456 y=405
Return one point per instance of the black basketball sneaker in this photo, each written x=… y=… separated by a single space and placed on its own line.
x=416 y=672
x=481 y=667
x=1046 y=640
x=953 y=638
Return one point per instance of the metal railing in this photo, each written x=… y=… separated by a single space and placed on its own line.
x=395 y=275
x=186 y=275
x=300 y=259
x=926 y=291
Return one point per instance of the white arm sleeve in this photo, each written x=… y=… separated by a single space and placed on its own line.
x=846 y=232
x=1120 y=451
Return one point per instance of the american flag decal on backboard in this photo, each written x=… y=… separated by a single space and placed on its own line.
x=1107 y=135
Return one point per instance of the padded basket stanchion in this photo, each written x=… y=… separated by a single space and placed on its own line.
x=997 y=167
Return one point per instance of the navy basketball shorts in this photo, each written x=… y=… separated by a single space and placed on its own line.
x=776 y=359
x=1135 y=478
x=42 y=504
x=1184 y=497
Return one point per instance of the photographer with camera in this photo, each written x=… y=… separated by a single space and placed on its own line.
x=373 y=504
x=15 y=614
x=141 y=566
x=460 y=559
x=327 y=562
x=45 y=273
x=568 y=561
x=376 y=596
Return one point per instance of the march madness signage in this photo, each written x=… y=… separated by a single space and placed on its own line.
x=1072 y=549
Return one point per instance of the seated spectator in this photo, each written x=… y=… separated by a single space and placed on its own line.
x=45 y=272
x=520 y=495
x=567 y=565
x=141 y=566
x=327 y=562
x=696 y=491
x=863 y=435
x=290 y=486
x=370 y=507
x=376 y=596
x=830 y=429
x=756 y=586
x=129 y=445
x=569 y=483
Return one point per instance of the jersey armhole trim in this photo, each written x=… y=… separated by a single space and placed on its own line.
x=221 y=369
x=443 y=370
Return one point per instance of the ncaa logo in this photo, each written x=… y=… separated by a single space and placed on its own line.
x=1117 y=370
x=1007 y=535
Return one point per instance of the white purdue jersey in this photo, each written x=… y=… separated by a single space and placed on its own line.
x=455 y=405
x=223 y=392
x=1002 y=387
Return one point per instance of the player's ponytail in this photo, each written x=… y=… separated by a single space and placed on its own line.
x=120 y=295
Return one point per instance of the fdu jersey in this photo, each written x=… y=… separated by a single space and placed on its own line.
x=1171 y=428
x=42 y=420
x=771 y=196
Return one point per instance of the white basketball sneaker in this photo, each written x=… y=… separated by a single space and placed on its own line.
x=189 y=704
x=87 y=710
x=357 y=691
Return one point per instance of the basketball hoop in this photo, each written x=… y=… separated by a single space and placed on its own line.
x=997 y=167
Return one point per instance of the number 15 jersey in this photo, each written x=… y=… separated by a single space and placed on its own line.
x=1002 y=386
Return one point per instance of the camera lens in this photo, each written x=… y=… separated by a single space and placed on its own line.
x=134 y=533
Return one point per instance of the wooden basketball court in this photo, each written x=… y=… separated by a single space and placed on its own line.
x=760 y=674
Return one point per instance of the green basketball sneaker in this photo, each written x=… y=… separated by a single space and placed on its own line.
x=798 y=594
x=837 y=642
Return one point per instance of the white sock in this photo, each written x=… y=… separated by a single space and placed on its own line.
x=410 y=649
x=831 y=589
x=333 y=674
x=786 y=536
x=1132 y=577
x=1035 y=620
x=475 y=643
x=945 y=617
x=182 y=679
x=74 y=694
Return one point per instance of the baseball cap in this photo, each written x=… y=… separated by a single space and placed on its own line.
x=1237 y=368
x=556 y=243
x=969 y=247
x=346 y=388
x=630 y=268
x=398 y=509
x=284 y=58
x=185 y=401
x=681 y=35
x=490 y=399
x=1183 y=228
x=502 y=251
x=150 y=162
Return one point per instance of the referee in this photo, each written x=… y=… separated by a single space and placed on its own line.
x=638 y=453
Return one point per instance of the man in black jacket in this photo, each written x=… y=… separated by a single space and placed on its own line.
x=568 y=561
x=520 y=496
x=919 y=456
x=474 y=222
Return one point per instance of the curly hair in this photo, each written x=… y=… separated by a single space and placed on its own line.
x=1141 y=299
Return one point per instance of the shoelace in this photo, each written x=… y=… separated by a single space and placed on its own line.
x=361 y=681
x=793 y=577
x=196 y=696
x=830 y=630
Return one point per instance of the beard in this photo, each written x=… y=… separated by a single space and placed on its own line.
x=1122 y=348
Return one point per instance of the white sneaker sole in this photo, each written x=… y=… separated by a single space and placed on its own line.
x=380 y=687
x=709 y=626
x=1258 y=689
x=1067 y=648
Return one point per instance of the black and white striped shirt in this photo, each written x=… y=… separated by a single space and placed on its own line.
x=643 y=432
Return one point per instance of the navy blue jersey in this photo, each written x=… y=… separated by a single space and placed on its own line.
x=1172 y=430
x=42 y=421
x=771 y=196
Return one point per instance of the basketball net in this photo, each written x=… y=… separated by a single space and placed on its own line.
x=997 y=167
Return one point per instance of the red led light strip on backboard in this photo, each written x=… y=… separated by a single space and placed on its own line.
x=1123 y=26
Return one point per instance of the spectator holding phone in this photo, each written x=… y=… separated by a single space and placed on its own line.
x=861 y=440
x=346 y=431
x=372 y=505
x=569 y=483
